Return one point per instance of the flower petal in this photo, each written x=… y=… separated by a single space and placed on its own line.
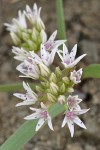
x=40 y=123
x=77 y=60
x=61 y=57
x=44 y=53
x=52 y=37
x=43 y=106
x=32 y=116
x=80 y=112
x=73 y=52
x=27 y=102
x=51 y=56
x=66 y=55
x=79 y=122
x=64 y=122
x=43 y=36
x=57 y=43
x=21 y=96
x=71 y=127
x=50 y=123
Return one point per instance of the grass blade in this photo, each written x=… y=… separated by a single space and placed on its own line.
x=60 y=19
x=13 y=87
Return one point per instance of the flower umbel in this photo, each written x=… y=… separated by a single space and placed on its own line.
x=54 y=85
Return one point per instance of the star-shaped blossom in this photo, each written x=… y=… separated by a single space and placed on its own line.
x=68 y=59
x=29 y=68
x=29 y=98
x=50 y=44
x=19 y=23
x=45 y=56
x=41 y=114
x=71 y=117
x=73 y=102
x=20 y=53
x=75 y=76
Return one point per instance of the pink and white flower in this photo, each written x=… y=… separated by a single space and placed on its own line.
x=46 y=57
x=50 y=44
x=41 y=114
x=29 y=98
x=68 y=59
x=20 y=53
x=73 y=102
x=29 y=68
x=75 y=76
x=71 y=117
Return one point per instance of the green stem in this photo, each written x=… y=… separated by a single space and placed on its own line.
x=60 y=19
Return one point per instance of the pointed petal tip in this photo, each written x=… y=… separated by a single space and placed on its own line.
x=17 y=105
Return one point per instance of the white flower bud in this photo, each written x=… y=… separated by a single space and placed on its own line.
x=58 y=72
x=15 y=38
x=40 y=24
x=65 y=80
x=70 y=90
x=25 y=36
x=61 y=99
x=39 y=88
x=44 y=70
x=43 y=36
x=32 y=45
x=51 y=97
x=53 y=78
x=35 y=34
x=62 y=88
x=54 y=88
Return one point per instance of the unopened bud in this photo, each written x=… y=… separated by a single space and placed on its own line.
x=15 y=38
x=45 y=84
x=25 y=36
x=32 y=45
x=54 y=88
x=53 y=78
x=51 y=97
x=39 y=88
x=40 y=24
x=70 y=90
x=58 y=72
x=43 y=36
x=65 y=80
x=61 y=99
x=44 y=70
x=35 y=34
x=62 y=88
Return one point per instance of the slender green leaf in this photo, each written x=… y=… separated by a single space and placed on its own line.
x=13 y=87
x=60 y=19
x=27 y=131
x=92 y=71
